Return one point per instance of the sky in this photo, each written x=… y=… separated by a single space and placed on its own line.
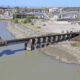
x=41 y=3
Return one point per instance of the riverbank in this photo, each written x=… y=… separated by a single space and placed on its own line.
x=64 y=53
x=59 y=53
x=17 y=33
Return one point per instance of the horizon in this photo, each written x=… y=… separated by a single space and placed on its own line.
x=37 y=7
x=40 y=3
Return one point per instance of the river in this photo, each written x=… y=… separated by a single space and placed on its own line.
x=17 y=64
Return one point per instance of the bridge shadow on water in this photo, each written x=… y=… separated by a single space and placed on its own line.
x=9 y=52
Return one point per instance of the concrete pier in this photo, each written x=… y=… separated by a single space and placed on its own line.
x=25 y=48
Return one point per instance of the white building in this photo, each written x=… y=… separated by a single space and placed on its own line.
x=51 y=10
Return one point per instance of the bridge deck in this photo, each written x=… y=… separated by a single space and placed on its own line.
x=48 y=38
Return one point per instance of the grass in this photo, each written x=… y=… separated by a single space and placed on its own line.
x=34 y=27
x=30 y=26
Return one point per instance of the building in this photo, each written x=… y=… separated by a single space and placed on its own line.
x=32 y=14
x=68 y=16
x=22 y=15
x=2 y=10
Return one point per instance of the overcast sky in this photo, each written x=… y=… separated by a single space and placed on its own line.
x=41 y=3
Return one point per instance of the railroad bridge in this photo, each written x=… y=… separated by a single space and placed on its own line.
x=40 y=41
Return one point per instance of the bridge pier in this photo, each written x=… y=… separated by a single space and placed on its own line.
x=59 y=38
x=56 y=38
x=68 y=37
x=73 y=35
x=38 y=43
x=64 y=37
x=25 y=48
x=33 y=44
x=53 y=39
x=47 y=41
x=43 y=42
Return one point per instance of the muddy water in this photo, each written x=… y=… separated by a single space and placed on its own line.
x=17 y=64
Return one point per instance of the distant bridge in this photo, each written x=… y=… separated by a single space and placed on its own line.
x=40 y=41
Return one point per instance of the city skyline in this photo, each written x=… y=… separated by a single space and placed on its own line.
x=41 y=3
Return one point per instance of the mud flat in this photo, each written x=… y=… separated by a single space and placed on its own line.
x=15 y=32
x=62 y=54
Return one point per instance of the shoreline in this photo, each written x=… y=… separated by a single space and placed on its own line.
x=15 y=32
x=66 y=57
x=60 y=59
